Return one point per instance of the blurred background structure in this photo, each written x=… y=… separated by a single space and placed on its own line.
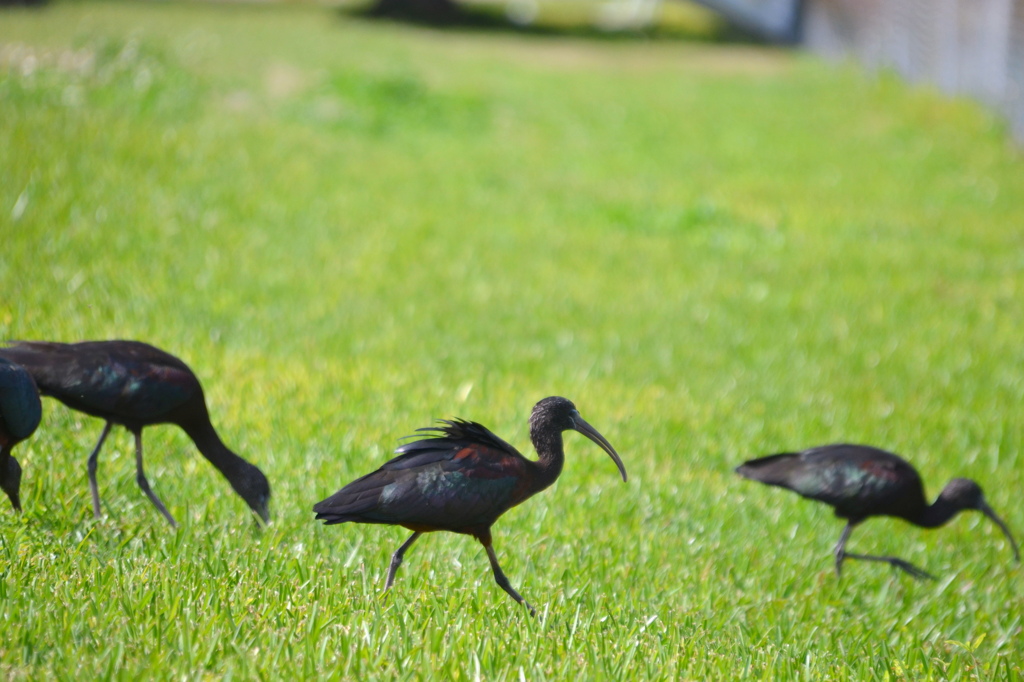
x=970 y=47
x=774 y=20
x=963 y=47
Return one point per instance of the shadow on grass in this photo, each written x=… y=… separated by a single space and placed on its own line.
x=447 y=15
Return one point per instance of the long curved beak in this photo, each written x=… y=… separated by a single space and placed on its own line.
x=987 y=511
x=590 y=432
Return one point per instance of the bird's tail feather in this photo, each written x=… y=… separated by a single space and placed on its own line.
x=347 y=505
x=330 y=518
x=768 y=469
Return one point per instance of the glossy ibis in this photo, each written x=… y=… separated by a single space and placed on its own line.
x=136 y=385
x=20 y=412
x=861 y=482
x=461 y=480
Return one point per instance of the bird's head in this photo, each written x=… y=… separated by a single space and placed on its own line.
x=963 y=493
x=253 y=487
x=11 y=482
x=559 y=414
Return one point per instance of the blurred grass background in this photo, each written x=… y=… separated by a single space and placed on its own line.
x=348 y=228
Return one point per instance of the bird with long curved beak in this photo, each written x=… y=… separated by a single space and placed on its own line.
x=860 y=481
x=461 y=480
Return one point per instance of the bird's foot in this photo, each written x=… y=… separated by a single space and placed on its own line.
x=913 y=570
x=895 y=562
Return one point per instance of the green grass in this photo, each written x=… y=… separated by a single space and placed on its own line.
x=349 y=229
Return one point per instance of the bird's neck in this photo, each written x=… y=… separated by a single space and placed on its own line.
x=938 y=513
x=209 y=443
x=551 y=457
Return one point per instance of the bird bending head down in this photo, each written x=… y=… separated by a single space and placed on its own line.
x=963 y=493
x=861 y=481
x=134 y=385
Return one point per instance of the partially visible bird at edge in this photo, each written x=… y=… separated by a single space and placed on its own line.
x=461 y=480
x=136 y=385
x=860 y=481
x=20 y=412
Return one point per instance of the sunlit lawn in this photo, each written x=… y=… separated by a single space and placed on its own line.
x=349 y=229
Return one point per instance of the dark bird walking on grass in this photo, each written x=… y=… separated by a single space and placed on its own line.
x=136 y=385
x=461 y=480
x=861 y=482
x=20 y=413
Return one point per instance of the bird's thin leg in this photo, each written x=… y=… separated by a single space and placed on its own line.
x=93 y=460
x=840 y=550
x=499 y=576
x=140 y=478
x=396 y=559
x=897 y=563
x=841 y=554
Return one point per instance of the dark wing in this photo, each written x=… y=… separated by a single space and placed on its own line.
x=20 y=409
x=461 y=431
x=109 y=379
x=449 y=482
x=857 y=480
